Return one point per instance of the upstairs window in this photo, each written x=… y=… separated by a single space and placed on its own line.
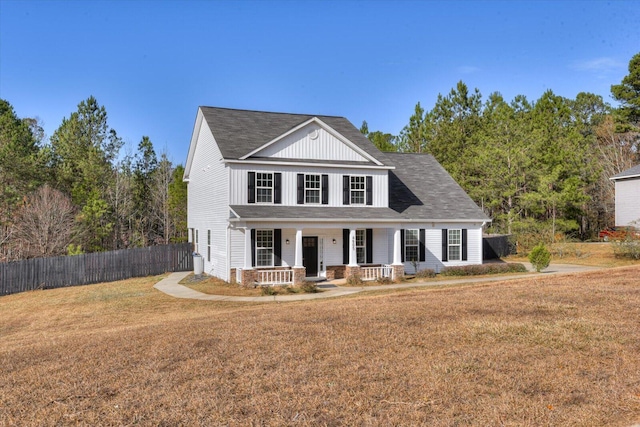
x=312 y=189
x=358 y=188
x=264 y=187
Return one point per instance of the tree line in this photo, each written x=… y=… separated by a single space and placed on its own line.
x=78 y=192
x=540 y=169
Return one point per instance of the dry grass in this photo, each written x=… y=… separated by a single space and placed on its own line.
x=599 y=254
x=554 y=350
x=214 y=286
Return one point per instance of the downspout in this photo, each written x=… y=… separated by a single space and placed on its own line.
x=228 y=261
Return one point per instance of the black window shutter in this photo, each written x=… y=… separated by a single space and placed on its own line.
x=325 y=189
x=253 y=247
x=402 y=244
x=445 y=245
x=345 y=246
x=369 y=243
x=464 y=244
x=369 y=190
x=277 y=247
x=345 y=189
x=277 y=188
x=301 y=189
x=251 y=192
x=423 y=254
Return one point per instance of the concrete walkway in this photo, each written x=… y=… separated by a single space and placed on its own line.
x=170 y=285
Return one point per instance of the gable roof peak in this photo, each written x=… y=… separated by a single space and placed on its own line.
x=241 y=132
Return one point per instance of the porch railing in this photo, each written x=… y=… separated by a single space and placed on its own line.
x=375 y=273
x=275 y=277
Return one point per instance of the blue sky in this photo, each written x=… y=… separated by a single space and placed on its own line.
x=151 y=64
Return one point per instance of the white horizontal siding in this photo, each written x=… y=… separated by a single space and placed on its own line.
x=239 y=183
x=382 y=245
x=208 y=201
x=301 y=145
x=628 y=202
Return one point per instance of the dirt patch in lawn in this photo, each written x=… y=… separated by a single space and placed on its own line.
x=545 y=350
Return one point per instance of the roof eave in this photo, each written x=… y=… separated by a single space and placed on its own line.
x=303 y=163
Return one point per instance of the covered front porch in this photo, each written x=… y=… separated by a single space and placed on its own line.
x=289 y=256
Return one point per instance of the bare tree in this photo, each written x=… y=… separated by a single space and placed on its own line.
x=160 y=200
x=45 y=225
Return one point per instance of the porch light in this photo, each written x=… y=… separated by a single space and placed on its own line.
x=287 y=241
x=334 y=241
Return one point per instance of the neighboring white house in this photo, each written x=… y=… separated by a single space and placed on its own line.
x=275 y=198
x=627 y=196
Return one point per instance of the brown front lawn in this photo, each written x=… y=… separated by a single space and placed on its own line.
x=546 y=350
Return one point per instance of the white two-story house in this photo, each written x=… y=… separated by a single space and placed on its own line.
x=281 y=198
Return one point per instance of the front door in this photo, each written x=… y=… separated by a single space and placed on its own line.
x=310 y=255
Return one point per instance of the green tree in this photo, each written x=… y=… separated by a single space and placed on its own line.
x=503 y=156
x=144 y=167
x=20 y=162
x=412 y=138
x=627 y=93
x=178 y=205
x=83 y=150
x=22 y=170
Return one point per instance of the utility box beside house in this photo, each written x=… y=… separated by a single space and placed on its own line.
x=198 y=264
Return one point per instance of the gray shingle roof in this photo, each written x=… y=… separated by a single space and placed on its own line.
x=634 y=171
x=314 y=212
x=239 y=132
x=420 y=188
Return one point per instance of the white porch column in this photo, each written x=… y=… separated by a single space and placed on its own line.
x=247 y=249
x=353 y=257
x=298 y=258
x=397 y=250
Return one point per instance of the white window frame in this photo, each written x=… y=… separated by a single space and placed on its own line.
x=361 y=249
x=310 y=190
x=208 y=245
x=452 y=245
x=259 y=249
x=409 y=243
x=269 y=176
x=197 y=246
x=362 y=190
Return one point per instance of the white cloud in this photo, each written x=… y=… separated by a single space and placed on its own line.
x=598 y=65
x=468 y=69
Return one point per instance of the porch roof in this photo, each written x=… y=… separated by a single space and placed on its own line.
x=329 y=214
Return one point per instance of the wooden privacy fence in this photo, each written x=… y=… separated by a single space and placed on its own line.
x=58 y=272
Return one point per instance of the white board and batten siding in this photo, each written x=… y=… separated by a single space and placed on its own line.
x=240 y=181
x=208 y=202
x=628 y=202
x=311 y=142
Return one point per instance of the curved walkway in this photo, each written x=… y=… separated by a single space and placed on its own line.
x=170 y=286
